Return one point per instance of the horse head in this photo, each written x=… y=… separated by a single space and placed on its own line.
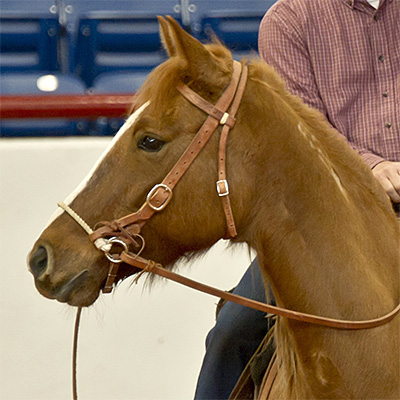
x=65 y=264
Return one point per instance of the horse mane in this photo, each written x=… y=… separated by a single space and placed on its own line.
x=364 y=191
x=350 y=166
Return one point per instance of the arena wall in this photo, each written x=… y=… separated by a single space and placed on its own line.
x=134 y=344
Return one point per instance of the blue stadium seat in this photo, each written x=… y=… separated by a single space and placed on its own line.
x=39 y=84
x=234 y=22
x=29 y=31
x=116 y=82
x=110 y=45
x=28 y=43
x=71 y=11
x=115 y=42
x=29 y=8
x=238 y=31
x=119 y=82
x=117 y=35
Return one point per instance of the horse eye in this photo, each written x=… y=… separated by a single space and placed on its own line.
x=150 y=143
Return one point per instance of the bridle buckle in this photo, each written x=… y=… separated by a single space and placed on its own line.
x=222 y=188
x=153 y=193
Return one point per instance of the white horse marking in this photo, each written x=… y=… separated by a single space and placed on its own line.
x=314 y=144
x=124 y=128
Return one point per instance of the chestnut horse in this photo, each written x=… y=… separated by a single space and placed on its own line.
x=325 y=233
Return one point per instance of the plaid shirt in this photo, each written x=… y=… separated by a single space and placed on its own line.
x=342 y=57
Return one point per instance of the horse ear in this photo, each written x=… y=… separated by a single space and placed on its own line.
x=200 y=60
x=166 y=37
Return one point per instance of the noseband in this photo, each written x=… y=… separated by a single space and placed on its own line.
x=125 y=232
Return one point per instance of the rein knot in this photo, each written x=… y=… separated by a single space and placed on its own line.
x=150 y=266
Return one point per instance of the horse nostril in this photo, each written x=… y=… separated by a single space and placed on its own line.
x=38 y=261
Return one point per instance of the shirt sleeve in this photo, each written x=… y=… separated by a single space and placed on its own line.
x=282 y=44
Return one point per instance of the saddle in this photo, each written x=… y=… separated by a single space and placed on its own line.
x=260 y=372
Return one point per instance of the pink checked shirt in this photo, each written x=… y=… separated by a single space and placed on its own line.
x=343 y=58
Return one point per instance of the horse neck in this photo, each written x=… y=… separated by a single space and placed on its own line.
x=328 y=244
x=321 y=238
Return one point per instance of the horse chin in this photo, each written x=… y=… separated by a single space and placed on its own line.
x=82 y=298
x=80 y=290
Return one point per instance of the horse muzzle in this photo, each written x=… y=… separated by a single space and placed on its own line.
x=79 y=289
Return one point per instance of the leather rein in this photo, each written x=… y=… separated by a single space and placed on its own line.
x=125 y=232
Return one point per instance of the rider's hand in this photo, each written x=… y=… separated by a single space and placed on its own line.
x=388 y=175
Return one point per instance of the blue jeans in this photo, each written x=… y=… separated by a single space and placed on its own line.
x=235 y=337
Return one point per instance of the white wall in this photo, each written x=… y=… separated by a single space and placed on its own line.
x=133 y=344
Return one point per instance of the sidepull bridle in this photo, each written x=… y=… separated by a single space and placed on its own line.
x=125 y=232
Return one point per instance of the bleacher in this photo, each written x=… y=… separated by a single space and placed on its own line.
x=101 y=46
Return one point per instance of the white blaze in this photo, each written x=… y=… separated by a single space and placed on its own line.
x=124 y=128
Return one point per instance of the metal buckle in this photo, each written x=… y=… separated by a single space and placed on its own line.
x=225 y=190
x=224 y=119
x=153 y=192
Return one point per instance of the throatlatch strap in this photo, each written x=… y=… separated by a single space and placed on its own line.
x=222 y=183
x=220 y=114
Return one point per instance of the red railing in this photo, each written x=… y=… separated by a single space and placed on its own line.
x=66 y=106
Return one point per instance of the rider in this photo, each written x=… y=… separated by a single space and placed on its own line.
x=342 y=58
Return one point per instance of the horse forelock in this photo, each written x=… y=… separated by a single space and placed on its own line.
x=158 y=87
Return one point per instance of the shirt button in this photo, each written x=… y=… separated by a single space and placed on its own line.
x=376 y=17
x=381 y=58
x=388 y=125
x=385 y=94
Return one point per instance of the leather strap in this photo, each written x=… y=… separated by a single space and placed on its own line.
x=161 y=194
x=112 y=274
x=222 y=183
x=204 y=105
x=128 y=228
x=228 y=121
x=151 y=266
x=269 y=378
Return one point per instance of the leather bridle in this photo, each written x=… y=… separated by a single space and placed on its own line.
x=125 y=232
x=127 y=229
